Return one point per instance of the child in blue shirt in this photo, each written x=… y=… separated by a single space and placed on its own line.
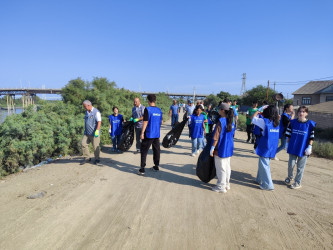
x=222 y=147
x=116 y=128
x=300 y=136
x=197 y=130
x=267 y=145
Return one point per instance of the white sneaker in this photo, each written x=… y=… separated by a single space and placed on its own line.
x=193 y=155
x=277 y=159
x=227 y=187
x=218 y=190
x=295 y=186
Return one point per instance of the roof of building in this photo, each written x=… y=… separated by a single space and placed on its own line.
x=314 y=87
x=324 y=107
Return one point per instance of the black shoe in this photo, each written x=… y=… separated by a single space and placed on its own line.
x=137 y=152
x=247 y=140
x=155 y=168
x=96 y=162
x=252 y=141
x=141 y=171
x=85 y=161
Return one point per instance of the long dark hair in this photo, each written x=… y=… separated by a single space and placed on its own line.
x=230 y=118
x=272 y=114
x=286 y=107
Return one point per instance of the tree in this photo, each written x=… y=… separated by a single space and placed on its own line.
x=258 y=94
x=223 y=95
x=213 y=100
x=74 y=92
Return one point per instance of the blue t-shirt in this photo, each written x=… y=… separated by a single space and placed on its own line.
x=268 y=143
x=226 y=140
x=196 y=126
x=154 y=122
x=174 y=109
x=116 y=124
x=300 y=136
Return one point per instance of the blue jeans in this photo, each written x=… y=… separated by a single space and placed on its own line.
x=174 y=119
x=301 y=162
x=283 y=143
x=115 y=141
x=197 y=143
x=264 y=177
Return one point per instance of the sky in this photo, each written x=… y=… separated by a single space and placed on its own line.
x=166 y=46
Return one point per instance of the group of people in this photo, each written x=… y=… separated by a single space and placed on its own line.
x=264 y=128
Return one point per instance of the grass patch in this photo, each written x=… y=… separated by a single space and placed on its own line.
x=323 y=149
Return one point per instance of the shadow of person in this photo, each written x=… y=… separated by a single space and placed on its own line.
x=162 y=175
x=243 y=179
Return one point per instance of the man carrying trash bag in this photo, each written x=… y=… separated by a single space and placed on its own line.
x=150 y=135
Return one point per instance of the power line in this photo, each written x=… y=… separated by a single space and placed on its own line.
x=301 y=82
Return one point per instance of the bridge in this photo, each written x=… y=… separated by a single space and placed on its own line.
x=29 y=94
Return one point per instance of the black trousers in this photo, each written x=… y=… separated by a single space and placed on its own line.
x=145 y=145
x=249 y=130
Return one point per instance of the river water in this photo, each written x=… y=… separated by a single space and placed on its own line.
x=4 y=113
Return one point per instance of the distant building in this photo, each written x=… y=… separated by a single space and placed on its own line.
x=314 y=92
x=322 y=114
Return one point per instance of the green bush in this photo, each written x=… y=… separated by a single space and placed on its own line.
x=241 y=124
x=31 y=137
x=323 y=149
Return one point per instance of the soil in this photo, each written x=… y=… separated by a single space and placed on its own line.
x=111 y=207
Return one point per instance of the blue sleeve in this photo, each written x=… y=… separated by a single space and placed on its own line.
x=235 y=112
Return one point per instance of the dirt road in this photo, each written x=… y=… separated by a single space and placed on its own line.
x=110 y=207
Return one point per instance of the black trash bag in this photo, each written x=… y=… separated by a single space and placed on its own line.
x=171 y=138
x=127 y=136
x=206 y=170
x=214 y=116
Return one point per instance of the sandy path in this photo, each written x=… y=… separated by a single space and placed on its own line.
x=110 y=207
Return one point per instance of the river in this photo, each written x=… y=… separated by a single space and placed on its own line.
x=4 y=113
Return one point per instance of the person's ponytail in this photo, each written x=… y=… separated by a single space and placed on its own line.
x=230 y=118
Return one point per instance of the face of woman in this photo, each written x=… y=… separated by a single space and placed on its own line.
x=115 y=111
x=199 y=111
x=291 y=108
x=302 y=114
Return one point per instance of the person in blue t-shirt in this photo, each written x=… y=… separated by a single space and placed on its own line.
x=197 y=130
x=300 y=136
x=287 y=116
x=150 y=135
x=174 y=113
x=116 y=128
x=267 y=145
x=222 y=147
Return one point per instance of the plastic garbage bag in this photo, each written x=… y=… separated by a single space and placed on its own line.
x=206 y=170
x=171 y=138
x=214 y=116
x=127 y=136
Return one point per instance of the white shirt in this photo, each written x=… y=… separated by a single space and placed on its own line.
x=98 y=115
x=260 y=123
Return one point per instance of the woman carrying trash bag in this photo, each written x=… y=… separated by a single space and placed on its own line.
x=222 y=147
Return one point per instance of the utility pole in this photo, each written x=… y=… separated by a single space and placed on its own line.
x=243 y=89
x=267 y=91
x=274 y=85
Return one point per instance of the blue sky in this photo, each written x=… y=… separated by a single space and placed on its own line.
x=166 y=45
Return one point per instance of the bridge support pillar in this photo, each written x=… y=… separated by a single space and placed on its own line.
x=10 y=104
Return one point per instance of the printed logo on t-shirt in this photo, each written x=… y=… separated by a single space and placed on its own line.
x=274 y=130
x=299 y=132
